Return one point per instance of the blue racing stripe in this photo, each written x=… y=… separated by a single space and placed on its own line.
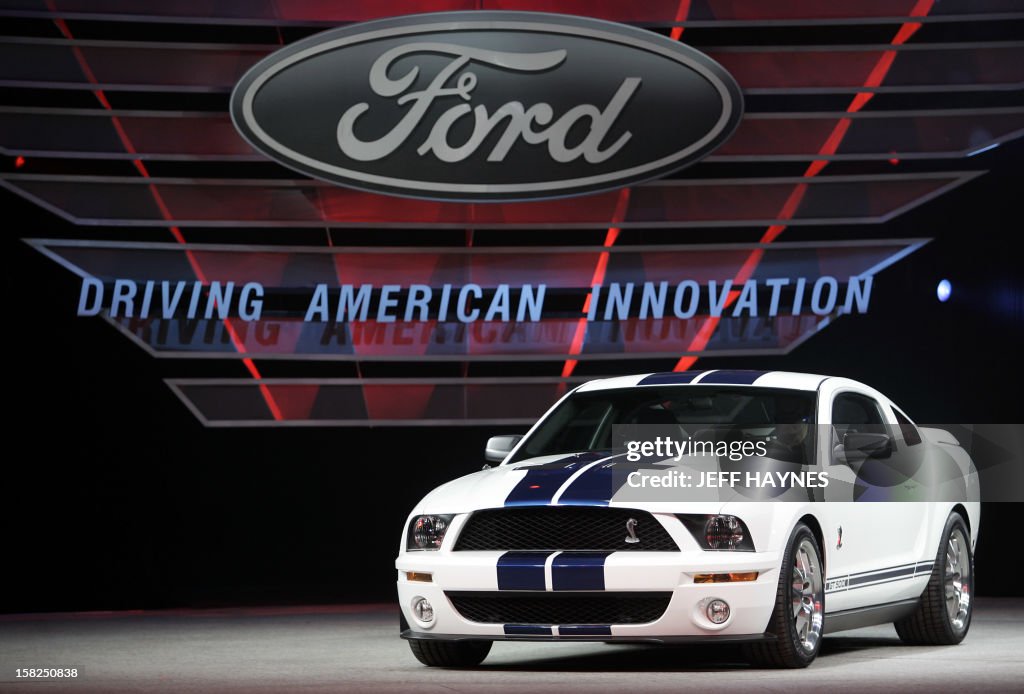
x=595 y=487
x=513 y=629
x=540 y=483
x=726 y=377
x=578 y=571
x=522 y=570
x=598 y=485
x=668 y=378
x=584 y=630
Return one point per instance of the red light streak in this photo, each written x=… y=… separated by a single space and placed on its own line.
x=126 y=142
x=830 y=147
x=613 y=233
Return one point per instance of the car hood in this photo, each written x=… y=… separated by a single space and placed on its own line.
x=583 y=479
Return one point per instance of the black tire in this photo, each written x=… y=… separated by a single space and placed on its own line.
x=450 y=653
x=931 y=624
x=787 y=649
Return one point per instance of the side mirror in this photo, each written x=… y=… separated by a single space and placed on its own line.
x=499 y=446
x=857 y=446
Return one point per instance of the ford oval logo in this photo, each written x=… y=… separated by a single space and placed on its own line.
x=486 y=106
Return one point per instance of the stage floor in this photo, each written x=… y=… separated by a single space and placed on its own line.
x=356 y=648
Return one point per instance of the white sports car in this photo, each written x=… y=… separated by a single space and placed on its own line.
x=573 y=538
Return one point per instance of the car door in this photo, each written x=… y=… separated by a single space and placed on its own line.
x=878 y=533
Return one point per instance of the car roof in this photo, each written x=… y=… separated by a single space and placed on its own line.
x=758 y=379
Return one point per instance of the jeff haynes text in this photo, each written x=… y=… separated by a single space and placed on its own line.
x=718 y=479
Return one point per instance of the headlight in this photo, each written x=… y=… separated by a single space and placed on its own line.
x=427 y=532
x=718 y=532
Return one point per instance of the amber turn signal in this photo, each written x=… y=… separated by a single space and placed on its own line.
x=734 y=577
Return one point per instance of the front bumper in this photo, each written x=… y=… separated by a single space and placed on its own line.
x=751 y=602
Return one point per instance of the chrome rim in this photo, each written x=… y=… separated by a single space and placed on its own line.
x=958 y=579
x=807 y=595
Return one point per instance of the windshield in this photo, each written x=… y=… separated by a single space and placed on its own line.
x=783 y=419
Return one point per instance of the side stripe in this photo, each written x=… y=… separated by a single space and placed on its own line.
x=866 y=579
x=895 y=573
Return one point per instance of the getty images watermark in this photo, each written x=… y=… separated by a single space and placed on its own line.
x=804 y=461
x=660 y=451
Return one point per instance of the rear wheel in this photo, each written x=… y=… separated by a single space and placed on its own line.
x=450 y=653
x=799 y=613
x=944 y=614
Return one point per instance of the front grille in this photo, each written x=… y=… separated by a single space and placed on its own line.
x=570 y=528
x=560 y=608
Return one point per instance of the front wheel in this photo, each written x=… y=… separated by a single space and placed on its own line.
x=799 y=613
x=944 y=614
x=450 y=653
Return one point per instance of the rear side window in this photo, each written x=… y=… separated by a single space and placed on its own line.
x=910 y=434
x=852 y=412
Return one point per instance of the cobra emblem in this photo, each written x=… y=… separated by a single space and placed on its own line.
x=631 y=538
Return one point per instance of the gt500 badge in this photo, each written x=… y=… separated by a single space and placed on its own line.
x=486 y=105
x=835 y=584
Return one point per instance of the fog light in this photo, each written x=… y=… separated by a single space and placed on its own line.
x=718 y=611
x=424 y=611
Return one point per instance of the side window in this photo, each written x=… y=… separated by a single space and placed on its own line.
x=910 y=434
x=852 y=412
